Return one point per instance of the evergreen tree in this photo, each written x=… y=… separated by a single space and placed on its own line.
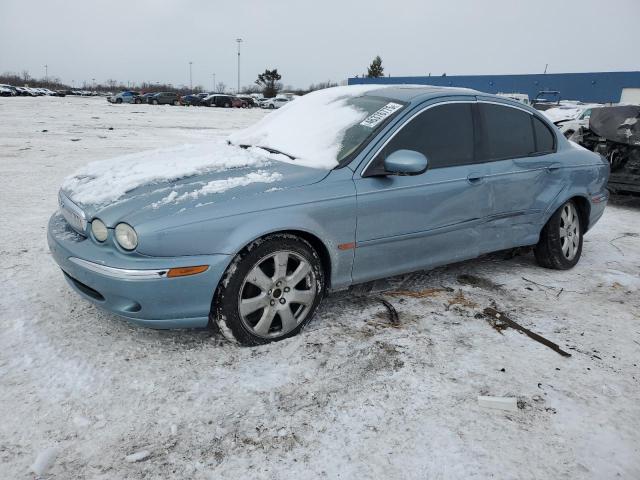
x=375 y=69
x=269 y=81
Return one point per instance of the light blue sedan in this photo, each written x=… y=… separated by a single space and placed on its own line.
x=340 y=187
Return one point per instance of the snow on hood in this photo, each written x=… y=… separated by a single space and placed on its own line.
x=106 y=181
x=310 y=128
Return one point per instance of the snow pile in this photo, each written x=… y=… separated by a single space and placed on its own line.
x=107 y=180
x=311 y=128
x=219 y=186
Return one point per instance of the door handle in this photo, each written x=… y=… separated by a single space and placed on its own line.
x=554 y=167
x=475 y=178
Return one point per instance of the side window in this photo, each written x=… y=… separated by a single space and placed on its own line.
x=507 y=132
x=545 y=140
x=444 y=134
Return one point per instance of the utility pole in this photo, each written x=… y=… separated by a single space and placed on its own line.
x=239 y=41
x=190 y=76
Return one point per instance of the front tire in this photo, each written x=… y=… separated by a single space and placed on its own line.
x=270 y=291
x=560 y=244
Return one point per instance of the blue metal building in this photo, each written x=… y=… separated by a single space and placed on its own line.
x=600 y=87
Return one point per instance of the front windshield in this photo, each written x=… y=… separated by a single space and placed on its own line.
x=379 y=111
x=321 y=129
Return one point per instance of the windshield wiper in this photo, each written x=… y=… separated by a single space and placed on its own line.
x=270 y=150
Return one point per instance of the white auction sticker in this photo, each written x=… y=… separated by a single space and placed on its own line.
x=377 y=117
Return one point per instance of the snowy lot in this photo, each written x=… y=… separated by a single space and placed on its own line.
x=352 y=396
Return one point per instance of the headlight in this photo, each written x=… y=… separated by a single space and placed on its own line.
x=99 y=230
x=126 y=236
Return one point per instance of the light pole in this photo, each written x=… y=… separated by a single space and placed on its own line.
x=214 y=83
x=190 y=76
x=239 y=40
x=46 y=74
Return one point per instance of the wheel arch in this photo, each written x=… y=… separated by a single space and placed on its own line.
x=584 y=210
x=315 y=241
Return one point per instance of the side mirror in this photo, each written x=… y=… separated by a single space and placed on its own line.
x=406 y=162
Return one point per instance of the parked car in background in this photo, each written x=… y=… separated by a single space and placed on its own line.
x=276 y=102
x=300 y=203
x=580 y=120
x=238 y=103
x=144 y=98
x=22 y=91
x=191 y=100
x=218 y=100
x=164 y=98
x=614 y=133
x=7 y=91
x=124 y=97
x=247 y=102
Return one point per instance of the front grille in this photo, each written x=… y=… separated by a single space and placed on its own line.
x=72 y=214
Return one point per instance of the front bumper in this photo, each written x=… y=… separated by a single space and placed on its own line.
x=132 y=286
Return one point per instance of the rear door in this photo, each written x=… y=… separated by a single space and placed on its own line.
x=407 y=223
x=524 y=175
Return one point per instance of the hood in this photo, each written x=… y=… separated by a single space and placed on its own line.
x=213 y=188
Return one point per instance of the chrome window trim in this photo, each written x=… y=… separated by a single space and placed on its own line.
x=120 y=273
x=508 y=105
x=446 y=102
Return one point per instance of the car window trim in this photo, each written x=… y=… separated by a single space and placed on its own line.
x=533 y=131
x=409 y=120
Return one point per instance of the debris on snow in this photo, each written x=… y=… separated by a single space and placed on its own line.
x=509 y=404
x=44 y=460
x=393 y=313
x=138 y=456
x=507 y=322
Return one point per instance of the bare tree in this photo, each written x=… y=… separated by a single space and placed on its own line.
x=221 y=87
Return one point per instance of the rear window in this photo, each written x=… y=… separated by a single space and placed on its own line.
x=507 y=132
x=545 y=140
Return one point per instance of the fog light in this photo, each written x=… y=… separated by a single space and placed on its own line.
x=99 y=230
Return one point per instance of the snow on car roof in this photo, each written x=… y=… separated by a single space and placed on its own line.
x=312 y=127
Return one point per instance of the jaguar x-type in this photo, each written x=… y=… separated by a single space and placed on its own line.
x=338 y=187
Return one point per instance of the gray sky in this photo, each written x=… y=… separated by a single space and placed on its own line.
x=313 y=41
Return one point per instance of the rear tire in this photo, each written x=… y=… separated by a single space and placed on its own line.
x=155 y=102
x=118 y=100
x=269 y=292
x=560 y=244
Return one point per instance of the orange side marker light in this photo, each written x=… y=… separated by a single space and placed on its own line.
x=186 y=271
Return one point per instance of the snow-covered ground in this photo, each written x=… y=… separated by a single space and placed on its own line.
x=84 y=395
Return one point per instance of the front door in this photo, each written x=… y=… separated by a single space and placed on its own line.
x=407 y=223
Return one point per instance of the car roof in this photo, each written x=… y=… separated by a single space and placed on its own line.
x=409 y=93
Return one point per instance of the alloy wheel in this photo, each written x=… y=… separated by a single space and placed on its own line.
x=569 y=231
x=277 y=294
